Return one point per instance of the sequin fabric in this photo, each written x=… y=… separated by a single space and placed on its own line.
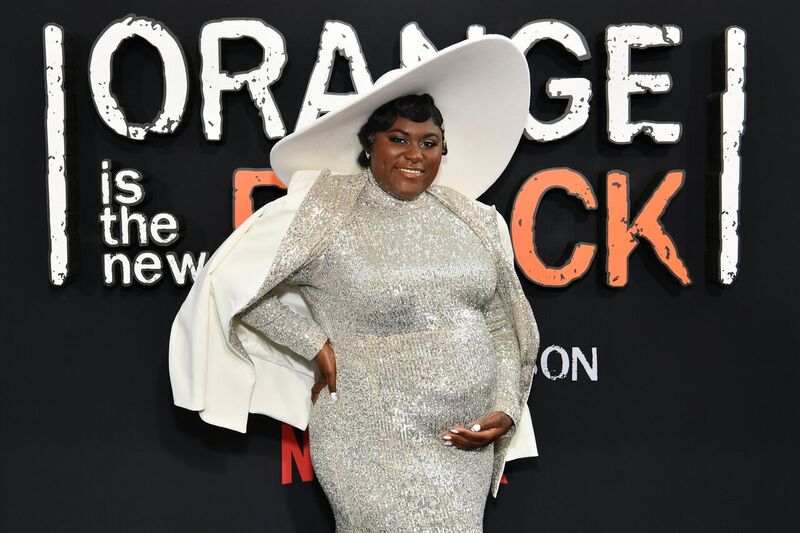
x=413 y=302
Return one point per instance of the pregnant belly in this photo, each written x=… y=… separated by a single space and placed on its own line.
x=416 y=384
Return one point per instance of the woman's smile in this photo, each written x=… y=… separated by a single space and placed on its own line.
x=410 y=172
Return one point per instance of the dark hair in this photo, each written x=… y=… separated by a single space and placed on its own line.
x=416 y=107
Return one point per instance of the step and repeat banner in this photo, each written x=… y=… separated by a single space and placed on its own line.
x=652 y=205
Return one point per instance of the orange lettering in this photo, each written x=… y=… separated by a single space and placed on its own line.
x=244 y=181
x=623 y=238
x=523 y=227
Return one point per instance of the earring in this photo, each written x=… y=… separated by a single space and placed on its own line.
x=367 y=154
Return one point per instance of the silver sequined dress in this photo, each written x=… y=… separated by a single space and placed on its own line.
x=402 y=292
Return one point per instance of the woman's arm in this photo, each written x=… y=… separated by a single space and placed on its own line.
x=507 y=360
x=506 y=406
x=280 y=323
x=277 y=321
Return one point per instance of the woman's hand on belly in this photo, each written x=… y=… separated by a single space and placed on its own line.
x=489 y=428
x=326 y=364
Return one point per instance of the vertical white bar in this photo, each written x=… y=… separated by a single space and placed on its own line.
x=56 y=153
x=732 y=127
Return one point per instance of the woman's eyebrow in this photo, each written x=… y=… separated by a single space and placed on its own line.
x=404 y=132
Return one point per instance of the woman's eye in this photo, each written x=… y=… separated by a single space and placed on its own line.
x=397 y=139
x=429 y=144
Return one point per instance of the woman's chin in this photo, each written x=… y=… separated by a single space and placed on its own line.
x=409 y=194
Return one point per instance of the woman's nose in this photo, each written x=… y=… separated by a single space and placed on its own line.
x=413 y=153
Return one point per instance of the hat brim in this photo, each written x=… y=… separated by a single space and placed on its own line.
x=482 y=88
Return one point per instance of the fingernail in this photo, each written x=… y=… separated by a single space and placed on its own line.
x=454 y=430
x=335 y=397
x=476 y=427
x=448 y=443
x=447 y=437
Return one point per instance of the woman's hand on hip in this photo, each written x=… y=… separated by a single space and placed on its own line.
x=326 y=364
x=480 y=433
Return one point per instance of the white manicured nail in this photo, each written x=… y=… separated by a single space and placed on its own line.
x=447 y=437
x=476 y=427
x=448 y=443
x=454 y=430
x=334 y=396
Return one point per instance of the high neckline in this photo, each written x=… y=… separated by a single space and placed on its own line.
x=375 y=194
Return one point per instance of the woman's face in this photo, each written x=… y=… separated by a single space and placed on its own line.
x=405 y=158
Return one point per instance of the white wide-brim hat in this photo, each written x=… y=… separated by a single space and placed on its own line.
x=482 y=88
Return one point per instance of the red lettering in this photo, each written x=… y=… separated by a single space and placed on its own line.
x=292 y=453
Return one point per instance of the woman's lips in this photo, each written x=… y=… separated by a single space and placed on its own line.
x=410 y=172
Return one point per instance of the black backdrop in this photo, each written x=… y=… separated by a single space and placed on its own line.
x=691 y=425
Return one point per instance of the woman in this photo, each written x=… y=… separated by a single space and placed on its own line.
x=417 y=321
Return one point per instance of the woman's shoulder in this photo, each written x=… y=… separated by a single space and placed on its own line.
x=326 y=188
x=483 y=216
x=458 y=200
x=327 y=177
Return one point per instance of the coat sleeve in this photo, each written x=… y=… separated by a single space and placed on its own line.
x=278 y=322
x=508 y=359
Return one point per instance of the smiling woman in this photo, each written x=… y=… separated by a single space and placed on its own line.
x=416 y=338
x=403 y=144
